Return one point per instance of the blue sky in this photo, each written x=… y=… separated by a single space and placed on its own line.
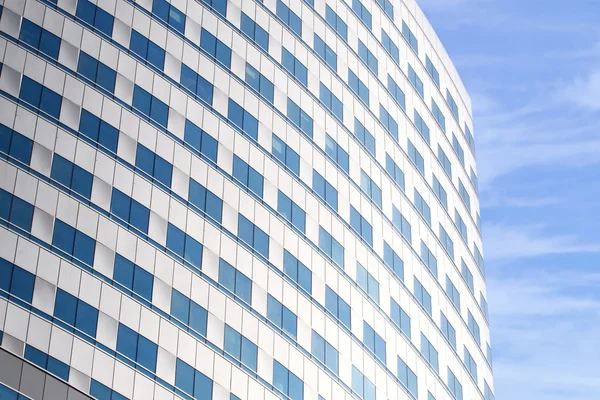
x=532 y=68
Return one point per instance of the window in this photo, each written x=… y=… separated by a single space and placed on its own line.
x=98 y=131
x=129 y=211
x=364 y=136
x=184 y=246
x=454 y=385
x=171 y=15
x=137 y=348
x=423 y=296
x=297 y=271
x=325 y=352
x=478 y=259
x=286 y=155
x=41 y=39
x=416 y=81
x=248 y=176
x=416 y=157
x=363 y=14
x=95 y=16
x=71 y=176
x=438 y=115
x=236 y=282
x=241 y=348
x=282 y=316
x=40 y=97
x=360 y=225
x=154 y=165
x=447 y=242
x=291 y=211
x=407 y=377
x=16 y=281
x=400 y=317
x=460 y=224
x=331 y=102
x=397 y=93
x=478 y=221
x=133 y=277
x=487 y=392
x=97 y=72
x=474 y=328
x=192 y=381
x=325 y=190
x=214 y=47
x=453 y=293
x=374 y=342
x=367 y=57
x=488 y=353
x=422 y=127
x=388 y=122
x=474 y=180
x=367 y=282
x=395 y=172
x=445 y=161
x=448 y=331
x=337 y=153
x=390 y=46
x=255 y=32
x=467 y=275
x=440 y=193
x=189 y=312
x=240 y=117
x=260 y=83
x=429 y=352
x=43 y=361
x=371 y=189
x=331 y=247
x=363 y=387
x=286 y=382
x=458 y=149
x=422 y=207
x=387 y=7
x=464 y=195
x=432 y=72
x=196 y=84
x=470 y=138
x=410 y=37
x=73 y=242
x=300 y=118
x=358 y=87
x=289 y=18
x=484 y=305
x=401 y=224
x=99 y=391
x=336 y=23
x=219 y=6
x=470 y=364
x=428 y=258
x=150 y=106
x=16 y=145
x=76 y=313
x=294 y=66
x=325 y=52
x=205 y=200
x=393 y=261
x=452 y=104
x=337 y=306
x=147 y=50
x=253 y=236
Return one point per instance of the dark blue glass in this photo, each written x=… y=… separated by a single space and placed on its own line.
x=156 y=55
x=63 y=237
x=163 y=171
x=243 y=287
x=139 y=216
x=50 y=44
x=184 y=377
x=142 y=100
x=5 y=137
x=180 y=307
x=233 y=342
x=177 y=20
x=159 y=111
x=147 y=352
x=209 y=147
x=21 y=147
x=87 y=318
x=123 y=271
x=235 y=114
x=161 y=9
x=197 y=195
x=6 y=269
x=204 y=90
x=51 y=102
x=220 y=6
x=144 y=160
x=82 y=182
x=203 y=386
x=274 y=310
x=227 y=275
x=65 y=307
x=193 y=135
x=21 y=214
x=120 y=205
x=127 y=342
x=255 y=182
x=208 y=42
x=138 y=44
x=22 y=284
x=99 y=391
x=214 y=206
x=86 y=11
x=89 y=125
x=104 y=21
x=261 y=242
x=106 y=77
x=245 y=230
x=6 y=392
x=109 y=136
x=290 y=322
x=87 y=66
x=189 y=80
x=31 y=91
x=280 y=377
x=30 y=33
x=198 y=318
x=193 y=252
x=249 y=354
x=84 y=248
x=143 y=283
x=58 y=368
x=175 y=240
x=35 y=356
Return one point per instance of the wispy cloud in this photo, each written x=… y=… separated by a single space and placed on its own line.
x=584 y=91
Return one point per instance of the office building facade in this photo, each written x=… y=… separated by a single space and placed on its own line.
x=236 y=200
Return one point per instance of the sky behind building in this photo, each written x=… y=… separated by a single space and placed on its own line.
x=532 y=69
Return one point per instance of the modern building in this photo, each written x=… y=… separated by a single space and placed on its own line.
x=236 y=200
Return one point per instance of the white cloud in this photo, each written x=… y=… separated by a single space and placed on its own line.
x=585 y=91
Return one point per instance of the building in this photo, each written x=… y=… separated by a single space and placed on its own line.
x=236 y=200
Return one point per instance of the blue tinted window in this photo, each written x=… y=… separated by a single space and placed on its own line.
x=95 y=16
x=325 y=52
x=215 y=47
x=325 y=190
x=337 y=153
x=394 y=170
x=363 y=387
x=361 y=226
x=452 y=104
x=16 y=145
x=407 y=377
x=294 y=66
x=389 y=123
x=445 y=161
x=416 y=157
x=281 y=316
x=63 y=237
x=235 y=281
x=337 y=306
x=241 y=348
x=433 y=72
x=147 y=49
x=393 y=261
x=259 y=82
x=448 y=331
x=331 y=102
x=362 y=12
x=297 y=271
x=364 y=136
x=154 y=165
x=428 y=258
x=474 y=328
x=205 y=200
x=422 y=128
x=331 y=247
x=422 y=207
x=324 y=352
x=150 y=106
x=286 y=382
x=286 y=155
x=410 y=37
x=336 y=23
x=430 y=353
x=358 y=87
x=169 y=14
x=253 y=236
x=291 y=211
x=22 y=283
x=415 y=81
x=300 y=118
x=464 y=195
x=189 y=312
x=454 y=385
x=255 y=32
x=200 y=140
x=401 y=224
x=370 y=188
x=30 y=33
x=65 y=307
x=31 y=91
x=289 y=17
x=390 y=46
x=397 y=93
x=248 y=176
x=196 y=84
x=423 y=296
x=447 y=242
x=400 y=317
x=87 y=318
x=243 y=119
x=21 y=214
x=374 y=342
x=367 y=57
